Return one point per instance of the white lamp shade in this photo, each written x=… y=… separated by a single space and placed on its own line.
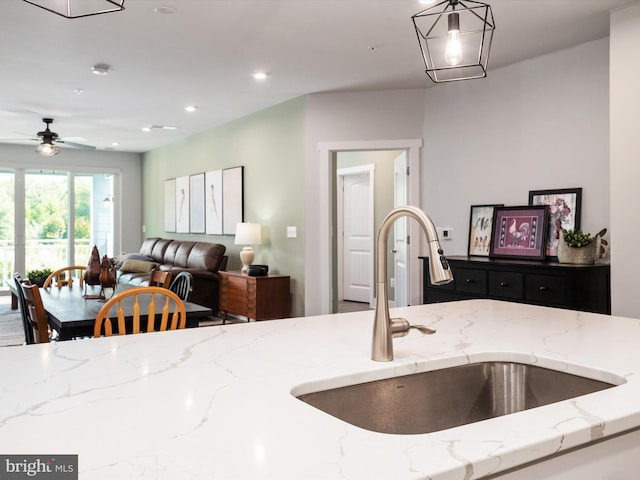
x=248 y=234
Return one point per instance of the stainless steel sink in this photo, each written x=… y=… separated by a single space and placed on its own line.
x=441 y=399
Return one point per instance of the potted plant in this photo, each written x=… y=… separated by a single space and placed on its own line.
x=38 y=276
x=580 y=248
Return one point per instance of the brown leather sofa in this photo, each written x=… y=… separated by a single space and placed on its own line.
x=203 y=260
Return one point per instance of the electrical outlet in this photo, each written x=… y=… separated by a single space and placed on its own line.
x=447 y=233
x=392 y=282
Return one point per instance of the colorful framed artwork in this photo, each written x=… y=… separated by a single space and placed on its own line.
x=520 y=232
x=196 y=203
x=170 y=205
x=564 y=212
x=480 y=230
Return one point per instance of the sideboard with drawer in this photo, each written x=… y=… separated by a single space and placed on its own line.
x=577 y=287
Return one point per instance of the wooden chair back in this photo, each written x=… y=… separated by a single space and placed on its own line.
x=64 y=277
x=160 y=278
x=26 y=324
x=35 y=312
x=181 y=285
x=169 y=307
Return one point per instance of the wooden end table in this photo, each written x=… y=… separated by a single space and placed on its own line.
x=260 y=298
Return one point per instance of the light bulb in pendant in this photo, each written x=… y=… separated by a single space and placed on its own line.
x=453 y=51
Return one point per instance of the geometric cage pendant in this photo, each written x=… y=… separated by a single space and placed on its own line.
x=78 y=8
x=455 y=39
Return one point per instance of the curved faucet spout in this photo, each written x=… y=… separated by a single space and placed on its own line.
x=384 y=328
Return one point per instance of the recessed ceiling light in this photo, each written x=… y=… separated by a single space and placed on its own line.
x=260 y=75
x=427 y=2
x=115 y=144
x=165 y=9
x=146 y=129
x=191 y=108
x=101 y=69
x=79 y=91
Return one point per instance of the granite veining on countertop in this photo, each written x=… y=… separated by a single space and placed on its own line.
x=216 y=402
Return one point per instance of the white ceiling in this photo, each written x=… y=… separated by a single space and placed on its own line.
x=205 y=53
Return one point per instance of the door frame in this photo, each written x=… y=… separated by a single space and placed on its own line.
x=323 y=301
x=341 y=173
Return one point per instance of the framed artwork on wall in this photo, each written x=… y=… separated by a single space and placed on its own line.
x=520 y=232
x=564 y=212
x=170 y=205
x=480 y=230
x=213 y=202
x=196 y=203
x=182 y=204
x=232 y=199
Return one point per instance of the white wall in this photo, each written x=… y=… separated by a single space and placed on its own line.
x=127 y=202
x=538 y=124
x=345 y=117
x=625 y=160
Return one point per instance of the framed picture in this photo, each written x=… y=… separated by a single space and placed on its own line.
x=196 y=203
x=480 y=229
x=213 y=197
x=232 y=199
x=564 y=212
x=170 y=205
x=520 y=232
x=182 y=204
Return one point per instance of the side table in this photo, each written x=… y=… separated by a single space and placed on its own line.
x=260 y=298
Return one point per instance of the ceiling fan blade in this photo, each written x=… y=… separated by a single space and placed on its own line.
x=76 y=145
x=19 y=139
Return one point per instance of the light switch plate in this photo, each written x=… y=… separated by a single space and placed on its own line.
x=292 y=232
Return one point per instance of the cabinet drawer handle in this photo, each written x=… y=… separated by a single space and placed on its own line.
x=543 y=288
x=504 y=284
x=469 y=280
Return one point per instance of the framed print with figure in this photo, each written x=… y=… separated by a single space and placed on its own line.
x=520 y=232
x=564 y=212
x=480 y=230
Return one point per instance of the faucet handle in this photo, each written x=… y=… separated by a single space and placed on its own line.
x=424 y=329
x=400 y=328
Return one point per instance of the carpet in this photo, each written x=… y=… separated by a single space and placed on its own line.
x=11 y=331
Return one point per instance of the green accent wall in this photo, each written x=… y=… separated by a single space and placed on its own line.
x=270 y=145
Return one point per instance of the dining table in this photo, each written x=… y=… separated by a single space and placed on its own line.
x=72 y=311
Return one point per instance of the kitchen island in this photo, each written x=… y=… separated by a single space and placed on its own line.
x=217 y=402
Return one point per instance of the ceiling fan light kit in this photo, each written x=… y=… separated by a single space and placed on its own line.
x=78 y=8
x=47 y=149
x=455 y=39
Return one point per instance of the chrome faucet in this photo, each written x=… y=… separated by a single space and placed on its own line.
x=385 y=328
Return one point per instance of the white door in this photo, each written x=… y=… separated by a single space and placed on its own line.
x=401 y=232
x=357 y=238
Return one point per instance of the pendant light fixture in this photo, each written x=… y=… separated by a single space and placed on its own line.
x=78 y=8
x=455 y=39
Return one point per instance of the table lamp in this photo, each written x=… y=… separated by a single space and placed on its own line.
x=247 y=234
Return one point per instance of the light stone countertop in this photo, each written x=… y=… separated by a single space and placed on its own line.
x=217 y=403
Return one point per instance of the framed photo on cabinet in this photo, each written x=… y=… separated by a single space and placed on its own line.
x=564 y=212
x=520 y=232
x=480 y=230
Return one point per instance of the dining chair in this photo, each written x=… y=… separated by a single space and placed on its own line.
x=160 y=278
x=26 y=325
x=181 y=285
x=36 y=315
x=64 y=277
x=169 y=307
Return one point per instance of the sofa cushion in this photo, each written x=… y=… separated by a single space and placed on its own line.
x=158 y=250
x=147 y=246
x=182 y=254
x=204 y=256
x=170 y=252
x=131 y=256
x=137 y=266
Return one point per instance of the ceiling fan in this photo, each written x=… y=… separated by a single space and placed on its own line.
x=49 y=139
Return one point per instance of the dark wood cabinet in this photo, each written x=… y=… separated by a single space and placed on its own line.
x=577 y=287
x=260 y=298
